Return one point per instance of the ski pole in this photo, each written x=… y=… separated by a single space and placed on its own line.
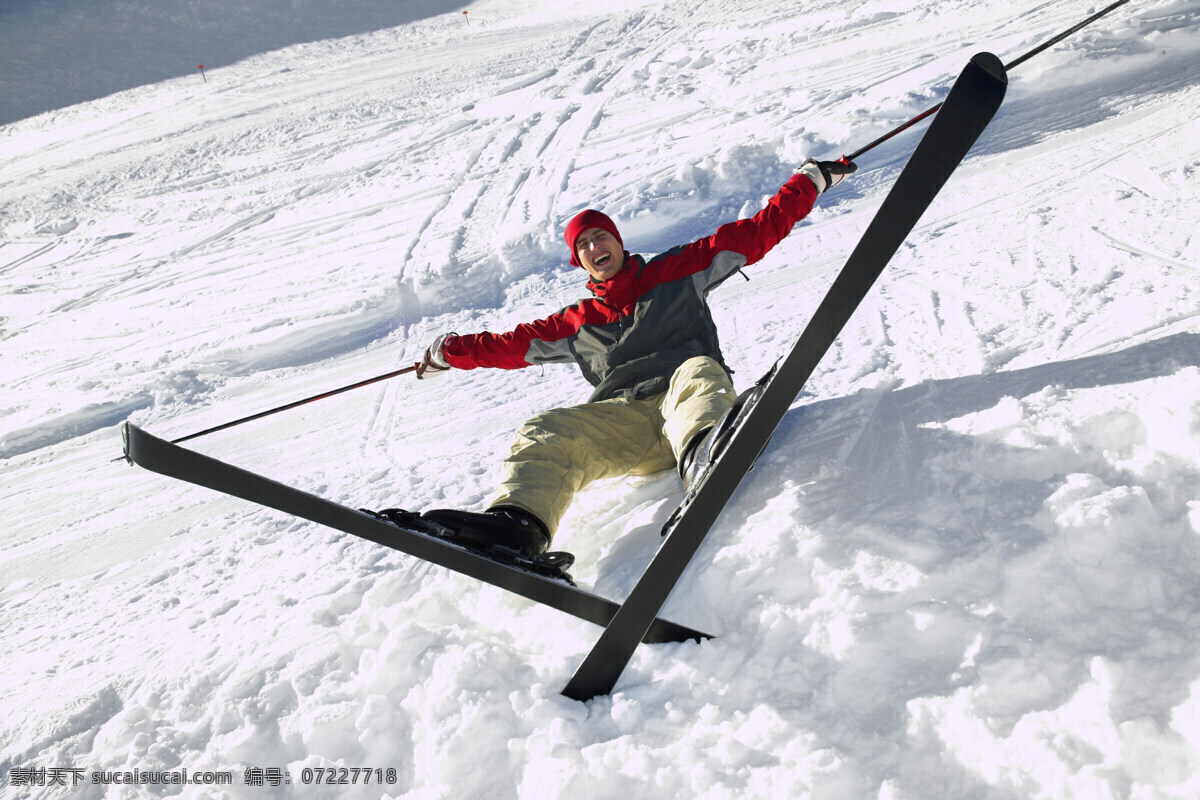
x=293 y=404
x=296 y=403
x=1022 y=59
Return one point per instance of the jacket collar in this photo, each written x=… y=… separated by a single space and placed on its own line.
x=618 y=291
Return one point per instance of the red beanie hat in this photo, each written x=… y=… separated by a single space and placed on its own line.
x=586 y=220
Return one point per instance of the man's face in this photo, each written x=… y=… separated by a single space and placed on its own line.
x=600 y=253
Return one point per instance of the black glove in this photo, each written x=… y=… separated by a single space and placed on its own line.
x=826 y=174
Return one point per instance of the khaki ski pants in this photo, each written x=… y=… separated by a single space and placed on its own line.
x=559 y=452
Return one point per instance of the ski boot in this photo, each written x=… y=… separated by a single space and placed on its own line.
x=505 y=533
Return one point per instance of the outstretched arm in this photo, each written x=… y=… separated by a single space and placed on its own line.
x=542 y=342
x=744 y=242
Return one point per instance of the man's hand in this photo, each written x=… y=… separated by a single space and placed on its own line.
x=434 y=363
x=826 y=174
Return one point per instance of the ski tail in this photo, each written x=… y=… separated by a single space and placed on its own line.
x=966 y=112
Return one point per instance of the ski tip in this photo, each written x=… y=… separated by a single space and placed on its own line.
x=125 y=456
x=992 y=65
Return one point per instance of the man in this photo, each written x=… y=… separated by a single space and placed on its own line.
x=646 y=340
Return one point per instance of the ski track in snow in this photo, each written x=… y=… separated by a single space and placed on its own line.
x=967 y=565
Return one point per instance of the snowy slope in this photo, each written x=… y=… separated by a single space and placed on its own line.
x=122 y=44
x=968 y=565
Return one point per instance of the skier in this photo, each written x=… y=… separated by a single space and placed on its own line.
x=646 y=340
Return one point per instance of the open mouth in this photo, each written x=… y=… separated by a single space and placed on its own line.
x=602 y=260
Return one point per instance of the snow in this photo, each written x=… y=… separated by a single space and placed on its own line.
x=968 y=564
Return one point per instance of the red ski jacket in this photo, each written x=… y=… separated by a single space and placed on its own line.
x=643 y=323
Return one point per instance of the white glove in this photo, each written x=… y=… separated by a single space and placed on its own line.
x=434 y=363
x=826 y=174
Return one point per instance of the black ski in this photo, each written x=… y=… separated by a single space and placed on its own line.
x=967 y=110
x=174 y=461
